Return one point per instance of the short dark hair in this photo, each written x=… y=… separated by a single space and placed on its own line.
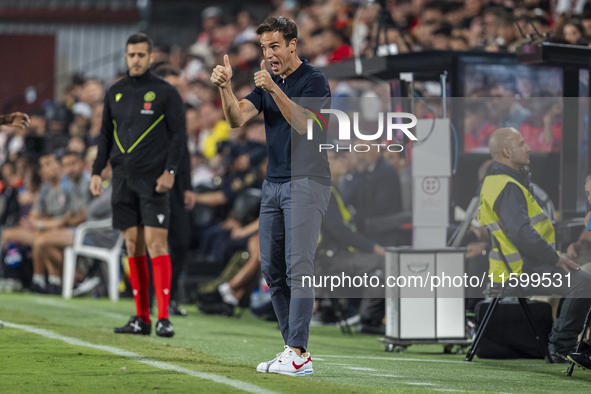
x=47 y=153
x=78 y=155
x=284 y=25
x=138 y=38
x=165 y=70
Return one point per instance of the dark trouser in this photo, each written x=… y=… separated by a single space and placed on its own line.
x=571 y=311
x=289 y=226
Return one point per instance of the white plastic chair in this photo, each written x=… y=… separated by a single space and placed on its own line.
x=110 y=256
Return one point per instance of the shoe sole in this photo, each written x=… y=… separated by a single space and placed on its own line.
x=299 y=373
x=165 y=335
x=576 y=363
x=132 y=333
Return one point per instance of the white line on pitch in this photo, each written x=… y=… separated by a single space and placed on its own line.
x=386 y=376
x=395 y=359
x=58 y=304
x=251 y=388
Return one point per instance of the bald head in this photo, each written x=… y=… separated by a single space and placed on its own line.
x=501 y=138
x=507 y=146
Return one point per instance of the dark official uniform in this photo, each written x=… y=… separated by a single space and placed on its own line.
x=179 y=234
x=143 y=133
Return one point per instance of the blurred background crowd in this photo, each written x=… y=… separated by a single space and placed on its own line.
x=228 y=164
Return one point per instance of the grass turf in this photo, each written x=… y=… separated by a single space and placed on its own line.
x=232 y=347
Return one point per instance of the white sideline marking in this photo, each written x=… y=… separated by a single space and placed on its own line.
x=387 y=376
x=397 y=359
x=58 y=304
x=419 y=384
x=251 y=388
x=454 y=390
x=318 y=359
x=361 y=369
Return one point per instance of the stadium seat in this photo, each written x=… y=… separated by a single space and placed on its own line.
x=110 y=256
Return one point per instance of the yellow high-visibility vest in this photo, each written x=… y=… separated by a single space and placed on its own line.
x=491 y=189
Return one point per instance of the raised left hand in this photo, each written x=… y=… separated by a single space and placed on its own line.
x=263 y=80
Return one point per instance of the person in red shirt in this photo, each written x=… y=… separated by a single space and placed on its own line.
x=339 y=49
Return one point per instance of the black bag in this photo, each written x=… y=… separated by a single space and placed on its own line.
x=508 y=333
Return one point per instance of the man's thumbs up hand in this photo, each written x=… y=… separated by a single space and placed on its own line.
x=263 y=80
x=222 y=75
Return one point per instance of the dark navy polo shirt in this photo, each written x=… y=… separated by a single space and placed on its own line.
x=291 y=155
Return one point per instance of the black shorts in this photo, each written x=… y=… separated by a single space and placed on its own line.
x=136 y=203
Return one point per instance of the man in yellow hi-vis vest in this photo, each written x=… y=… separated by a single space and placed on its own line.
x=524 y=237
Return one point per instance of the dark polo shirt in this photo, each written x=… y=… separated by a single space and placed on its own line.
x=291 y=155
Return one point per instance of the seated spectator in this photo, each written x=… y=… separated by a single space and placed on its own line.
x=573 y=32
x=241 y=271
x=374 y=191
x=201 y=174
x=441 y=38
x=50 y=212
x=234 y=285
x=240 y=169
x=48 y=246
x=29 y=192
x=458 y=43
x=246 y=27
x=477 y=129
x=237 y=160
x=77 y=145
x=341 y=248
x=56 y=136
x=9 y=176
x=95 y=125
x=336 y=46
x=523 y=238
x=215 y=129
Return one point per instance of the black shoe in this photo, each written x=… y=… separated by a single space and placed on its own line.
x=35 y=288
x=54 y=289
x=164 y=328
x=581 y=360
x=136 y=326
x=217 y=308
x=558 y=358
x=369 y=329
x=173 y=309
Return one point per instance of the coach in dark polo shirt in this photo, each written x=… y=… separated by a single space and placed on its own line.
x=297 y=187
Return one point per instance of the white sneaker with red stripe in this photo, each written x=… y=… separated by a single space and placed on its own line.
x=289 y=363
x=264 y=366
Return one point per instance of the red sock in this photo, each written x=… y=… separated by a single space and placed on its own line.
x=140 y=284
x=162 y=274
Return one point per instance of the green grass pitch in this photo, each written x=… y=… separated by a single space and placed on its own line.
x=230 y=348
